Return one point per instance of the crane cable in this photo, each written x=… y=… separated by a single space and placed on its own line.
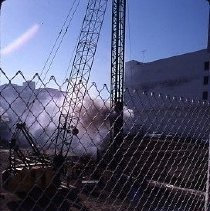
x=70 y=17
x=1 y=1
x=50 y=59
x=129 y=38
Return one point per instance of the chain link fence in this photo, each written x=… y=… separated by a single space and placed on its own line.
x=160 y=161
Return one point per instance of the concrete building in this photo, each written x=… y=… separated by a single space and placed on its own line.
x=184 y=75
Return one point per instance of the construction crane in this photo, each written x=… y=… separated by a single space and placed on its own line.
x=79 y=76
x=74 y=97
x=118 y=52
x=117 y=70
x=70 y=110
x=82 y=64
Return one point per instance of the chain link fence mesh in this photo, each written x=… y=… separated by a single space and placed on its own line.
x=159 y=163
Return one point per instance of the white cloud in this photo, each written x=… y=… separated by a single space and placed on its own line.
x=21 y=40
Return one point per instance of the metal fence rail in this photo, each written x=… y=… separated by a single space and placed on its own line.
x=161 y=163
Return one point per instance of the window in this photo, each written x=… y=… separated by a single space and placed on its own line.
x=205 y=95
x=206 y=66
x=206 y=80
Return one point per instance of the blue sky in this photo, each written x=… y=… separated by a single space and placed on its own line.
x=155 y=30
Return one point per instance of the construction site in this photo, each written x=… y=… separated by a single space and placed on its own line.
x=78 y=146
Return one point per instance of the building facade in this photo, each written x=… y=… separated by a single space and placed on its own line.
x=182 y=81
x=184 y=75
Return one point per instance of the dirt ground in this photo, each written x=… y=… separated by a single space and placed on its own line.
x=9 y=201
x=5 y=197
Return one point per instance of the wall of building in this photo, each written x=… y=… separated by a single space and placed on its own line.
x=181 y=75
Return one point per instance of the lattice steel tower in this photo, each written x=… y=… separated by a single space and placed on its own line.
x=118 y=49
x=117 y=63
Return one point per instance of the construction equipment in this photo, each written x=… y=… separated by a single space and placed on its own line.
x=79 y=76
x=117 y=66
x=26 y=170
x=117 y=78
x=47 y=172
x=36 y=170
x=118 y=53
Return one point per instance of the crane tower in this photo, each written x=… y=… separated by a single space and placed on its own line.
x=117 y=65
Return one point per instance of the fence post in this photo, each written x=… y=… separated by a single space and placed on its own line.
x=207 y=181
